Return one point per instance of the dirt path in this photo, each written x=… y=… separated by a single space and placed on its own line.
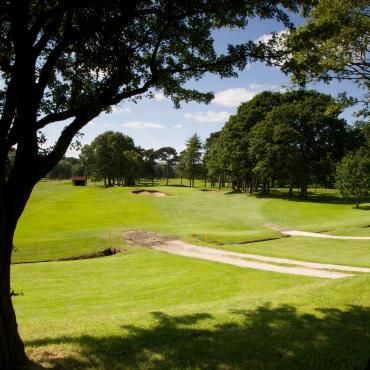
x=321 y=235
x=163 y=243
x=286 y=232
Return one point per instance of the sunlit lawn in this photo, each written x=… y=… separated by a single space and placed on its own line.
x=62 y=221
x=143 y=309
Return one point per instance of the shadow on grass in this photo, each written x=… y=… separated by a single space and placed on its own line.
x=363 y=208
x=177 y=186
x=232 y=192
x=265 y=338
x=313 y=197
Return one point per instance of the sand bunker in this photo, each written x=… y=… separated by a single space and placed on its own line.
x=169 y=244
x=153 y=193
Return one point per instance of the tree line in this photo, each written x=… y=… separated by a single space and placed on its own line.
x=113 y=158
x=294 y=139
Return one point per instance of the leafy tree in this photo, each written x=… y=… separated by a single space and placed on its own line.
x=332 y=44
x=273 y=152
x=169 y=156
x=67 y=167
x=210 y=158
x=150 y=157
x=105 y=157
x=63 y=170
x=133 y=164
x=78 y=169
x=71 y=60
x=230 y=151
x=180 y=167
x=192 y=157
x=86 y=159
x=296 y=137
x=353 y=175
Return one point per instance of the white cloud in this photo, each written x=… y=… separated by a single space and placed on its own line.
x=142 y=124
x=177 y=126
x=235 y=96
x=265 y=38
x=279 y=46
x=208 y=117
x=159 y=96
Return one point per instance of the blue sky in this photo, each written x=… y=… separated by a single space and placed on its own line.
x=154 y=123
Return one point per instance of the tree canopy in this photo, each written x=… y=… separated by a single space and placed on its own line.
x=109 y=157
x=191 y=158
x=353 y=175
x=294 y=137
x=334 y=43
x=168 y=155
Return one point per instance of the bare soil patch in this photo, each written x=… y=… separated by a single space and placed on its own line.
x=146 y=238
x=153 y=193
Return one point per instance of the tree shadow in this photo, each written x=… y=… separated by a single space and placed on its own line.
x=265 y=338
x=232 y=192
x=362 y=208
x=177 y=186
x=313 y=197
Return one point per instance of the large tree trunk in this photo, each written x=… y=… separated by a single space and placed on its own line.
x=13 y=198
x=12 y=352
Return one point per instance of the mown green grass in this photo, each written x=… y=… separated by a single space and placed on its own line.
x=143 y=309
x=148 y=310
x=64 y=221
x=342 y=252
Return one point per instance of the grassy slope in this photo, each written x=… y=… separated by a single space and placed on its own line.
x=149 y=310
x=62 y=221
x=146 y=310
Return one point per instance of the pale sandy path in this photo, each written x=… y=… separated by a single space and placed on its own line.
x=283 y=230
x=175 y=244
x=167 y=244
x=216 y=255
x=321 y=235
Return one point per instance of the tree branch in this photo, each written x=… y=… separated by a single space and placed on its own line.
x=53 y=57
x=49 y=31
x=55 y=117
x=46 y=163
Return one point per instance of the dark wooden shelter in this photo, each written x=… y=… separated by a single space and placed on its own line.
x=79 y=180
